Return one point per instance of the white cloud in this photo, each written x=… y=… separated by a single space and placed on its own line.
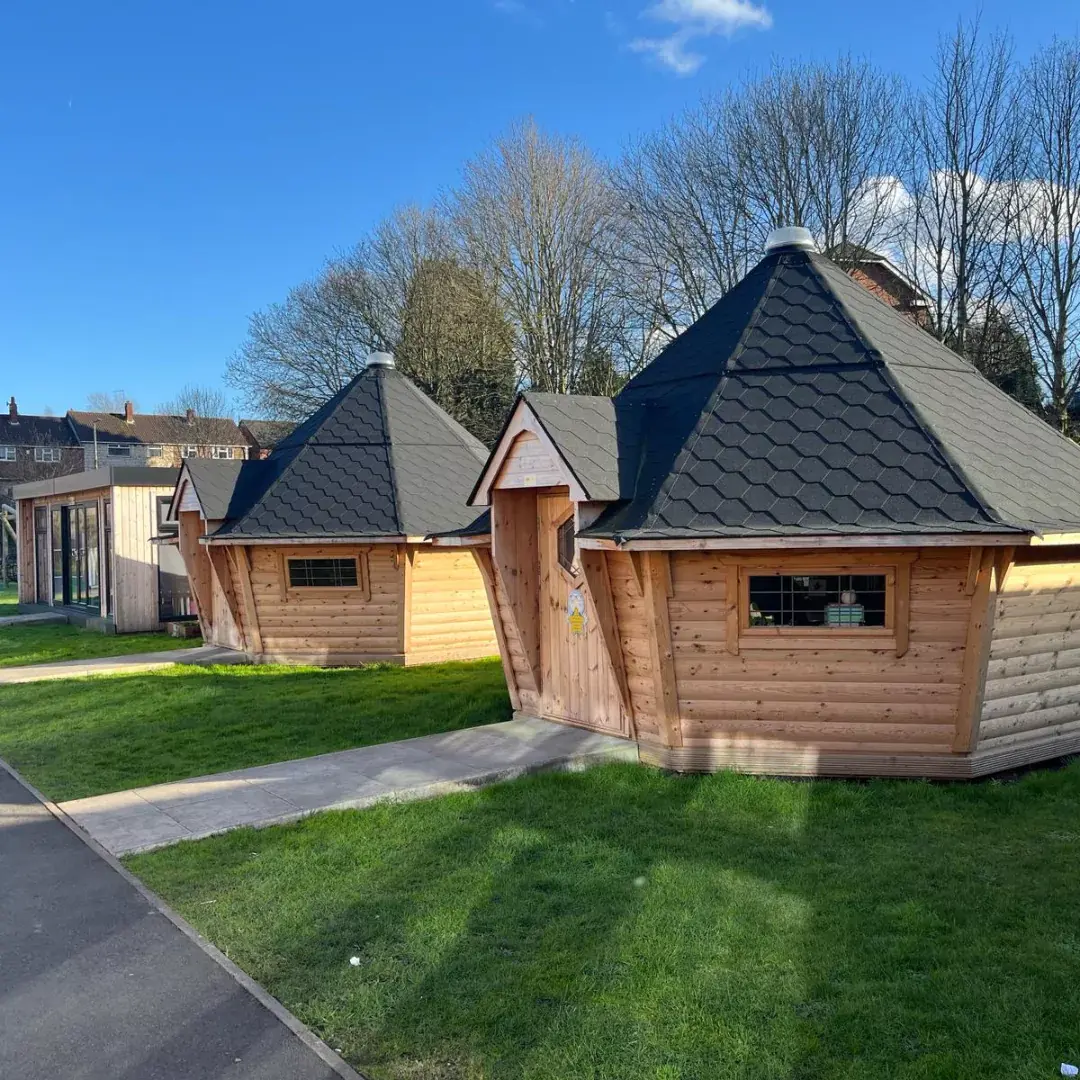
x=694 y=19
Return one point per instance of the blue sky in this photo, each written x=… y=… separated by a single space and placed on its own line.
x=166 y=169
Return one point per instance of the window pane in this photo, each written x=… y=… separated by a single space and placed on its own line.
x=831 y=600
x=322 y=573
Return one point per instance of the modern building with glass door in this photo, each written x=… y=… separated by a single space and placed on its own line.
x=85 y=546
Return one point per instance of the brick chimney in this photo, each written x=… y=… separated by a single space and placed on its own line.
x=13 y=409
x=129 y=413
x=190 y=416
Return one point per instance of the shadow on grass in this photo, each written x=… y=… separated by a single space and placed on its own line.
x=80 y=737
x=627 y=924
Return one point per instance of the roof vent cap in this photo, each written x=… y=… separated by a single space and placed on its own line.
x=790 y=236
x=380 y=359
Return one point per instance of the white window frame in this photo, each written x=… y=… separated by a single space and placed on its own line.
x=155 y=450
x=118 y=450
x=189 y=451
x=48 y=455
x=9 y=453
x=222 y=453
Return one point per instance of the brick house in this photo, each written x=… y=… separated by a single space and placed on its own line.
x=35 y=448
x=264 y=435
x=154 y=440
x=885 y=280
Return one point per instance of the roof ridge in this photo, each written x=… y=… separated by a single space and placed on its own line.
x=391 y=458
x=710 y=401
x=866 y=341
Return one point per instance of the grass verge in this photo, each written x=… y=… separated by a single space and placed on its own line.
x=626 y=925
x=9 y=597
x=21 y=645
x=77 y=737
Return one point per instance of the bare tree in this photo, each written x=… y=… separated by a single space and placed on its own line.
x=405 y=289
x=964 y=152
x=110 y=401
x=195 y=418
x=809 y=144
x=1046 y=231
x=536 y=213
x=816 y=145
x=687 y=234
x=300 y=352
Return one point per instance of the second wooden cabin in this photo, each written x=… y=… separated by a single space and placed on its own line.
x=321 y=553
x=808 y=538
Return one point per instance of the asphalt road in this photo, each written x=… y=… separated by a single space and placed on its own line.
x=96 y=984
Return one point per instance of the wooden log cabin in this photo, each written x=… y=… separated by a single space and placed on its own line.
x=321 y=553
x=806 y=539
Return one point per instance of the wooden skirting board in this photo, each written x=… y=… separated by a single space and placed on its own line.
x=773 y=758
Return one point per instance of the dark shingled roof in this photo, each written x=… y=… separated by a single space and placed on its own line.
x=153 y=429
x=592 y=440
x=35 y=431
x=379 y=459
x=225 y=489
x=801 y=403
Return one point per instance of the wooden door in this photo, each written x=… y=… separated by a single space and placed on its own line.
x=578 y=684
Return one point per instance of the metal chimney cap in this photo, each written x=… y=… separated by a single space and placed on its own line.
x=790 y=236
x=380 y=359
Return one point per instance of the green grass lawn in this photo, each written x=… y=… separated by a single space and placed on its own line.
x=9 y=597
x=44 y=644
x=79 y=737
x=626 y=925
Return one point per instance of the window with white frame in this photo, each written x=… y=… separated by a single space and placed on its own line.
x=119 y=450
x=7 y=453
x=190 y=451
x=222 y=453
x=155 y=450
x=51 y=454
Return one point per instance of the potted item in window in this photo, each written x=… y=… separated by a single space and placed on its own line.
x=846 y=613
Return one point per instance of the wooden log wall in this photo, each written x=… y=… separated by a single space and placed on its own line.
x=1032 y=697
x=449 y=617
x=325 y=627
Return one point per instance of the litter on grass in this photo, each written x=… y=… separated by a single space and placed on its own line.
x=1069 y=1070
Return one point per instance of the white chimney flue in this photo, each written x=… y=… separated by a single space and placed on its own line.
x=791 y=236
x=380 y=359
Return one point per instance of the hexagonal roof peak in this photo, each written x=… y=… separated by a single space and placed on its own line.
x=804 y=404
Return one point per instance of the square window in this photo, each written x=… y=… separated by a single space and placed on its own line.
x=222 y=453
x=7 y=453
x=323 y=573
x=190 y=451
x=812 y=600
x=154 y=451
x=47 y=453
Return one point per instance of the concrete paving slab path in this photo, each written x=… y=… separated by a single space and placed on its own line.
x=150 y=817
x=101 y=981
x=34 y=619
x=131 y=664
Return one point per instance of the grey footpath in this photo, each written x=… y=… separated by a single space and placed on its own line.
x=131 y=664
x=99 y=981
x=151 y=817
x=35 y=619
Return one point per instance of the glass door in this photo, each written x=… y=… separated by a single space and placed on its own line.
x=59 y=527
x=42 y=555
